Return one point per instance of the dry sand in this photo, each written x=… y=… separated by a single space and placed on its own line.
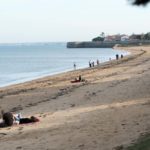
x=110 y=109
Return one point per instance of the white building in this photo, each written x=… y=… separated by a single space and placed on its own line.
x=125 y=38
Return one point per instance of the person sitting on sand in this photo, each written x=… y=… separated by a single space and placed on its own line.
x=80 y=78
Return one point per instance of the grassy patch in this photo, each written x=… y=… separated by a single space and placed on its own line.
x=142 y=144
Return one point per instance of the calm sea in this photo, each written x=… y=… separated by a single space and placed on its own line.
x=25 y=62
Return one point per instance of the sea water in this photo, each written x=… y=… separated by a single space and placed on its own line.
x=24 y=62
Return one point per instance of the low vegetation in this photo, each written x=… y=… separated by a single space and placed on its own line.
x=142 y=144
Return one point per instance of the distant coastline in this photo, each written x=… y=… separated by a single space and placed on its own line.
x=91 y=44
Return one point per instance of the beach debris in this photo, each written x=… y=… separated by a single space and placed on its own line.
x=18 y=108
x=19 y=147
x=72 y=105
x=81 y=145
x=93 y=93
x=3 y=134
x=119 y=147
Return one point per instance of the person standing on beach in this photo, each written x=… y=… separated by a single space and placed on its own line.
x=121 y=56
x=74 y=65
x=97 y=62
x=117 y=56
x=90 y=65
x=93 y=63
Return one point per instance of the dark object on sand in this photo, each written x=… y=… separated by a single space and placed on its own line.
x=78 y=80
x=32 y=119
x=8 y=118
x=75 y=81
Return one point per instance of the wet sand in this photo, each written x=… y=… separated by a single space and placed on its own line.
x=108 y=111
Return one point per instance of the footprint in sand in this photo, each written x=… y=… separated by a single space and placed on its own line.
x=123 y=124
x=72 y=105
x=81 y=146
x=3 y=134
x=44 y=115
x=119 y=147
x=20 y=128
x=41 y=115
x=19 y=147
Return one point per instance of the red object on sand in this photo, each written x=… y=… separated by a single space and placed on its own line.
x=75 y=81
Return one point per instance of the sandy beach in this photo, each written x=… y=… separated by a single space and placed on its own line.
x=107 y=111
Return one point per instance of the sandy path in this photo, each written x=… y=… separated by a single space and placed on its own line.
x=109 y=110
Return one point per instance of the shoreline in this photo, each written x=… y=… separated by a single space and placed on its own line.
x=112 y=106
x=25 y=77
x=42 y=77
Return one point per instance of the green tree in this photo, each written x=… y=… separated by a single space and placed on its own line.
x=140 y=2
x=98 y=39
x=147 y=36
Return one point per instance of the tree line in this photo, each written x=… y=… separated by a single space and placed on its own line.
x=142 y=36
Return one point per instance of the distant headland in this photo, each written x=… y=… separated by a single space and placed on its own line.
x=110 y=41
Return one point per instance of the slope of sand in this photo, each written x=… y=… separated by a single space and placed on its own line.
x=110 y=110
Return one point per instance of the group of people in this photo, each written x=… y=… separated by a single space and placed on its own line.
x=117 y=56
x=92 y=64
x=10 y=119
x=78 y=79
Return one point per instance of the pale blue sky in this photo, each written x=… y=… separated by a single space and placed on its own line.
x=68 y=20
